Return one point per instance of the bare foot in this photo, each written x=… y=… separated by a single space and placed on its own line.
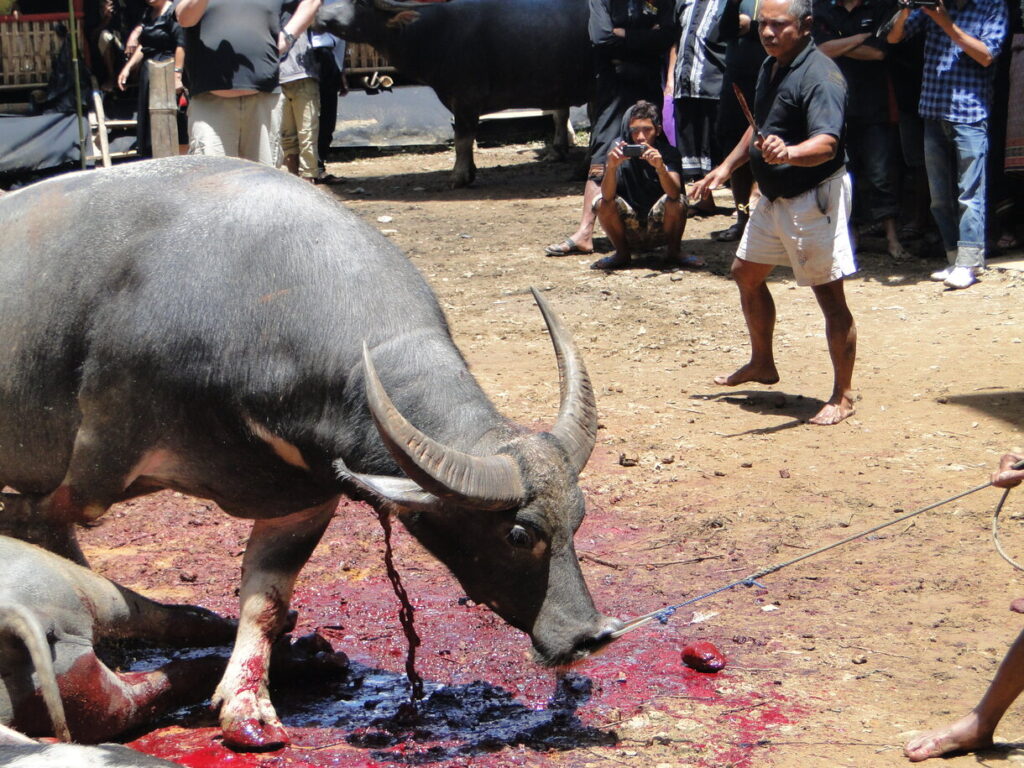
x=965 y=735
x=749 y=372
x=1017 y=606
x=833 y=413
x=615 y=261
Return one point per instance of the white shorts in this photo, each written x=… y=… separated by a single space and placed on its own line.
x=237 y=126
x=795 y=232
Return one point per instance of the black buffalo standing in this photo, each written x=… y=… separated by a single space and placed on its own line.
x=223 y=329
x=479 y=56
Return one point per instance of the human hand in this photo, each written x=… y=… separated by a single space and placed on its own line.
x=122 y=78
x=1006 y=476
x=938 y=14
x=284 y=44
x=702 y=189
x=615 y=157
x=773 y=149
x=653 y=158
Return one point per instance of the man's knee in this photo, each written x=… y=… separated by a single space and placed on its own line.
x=747 y=274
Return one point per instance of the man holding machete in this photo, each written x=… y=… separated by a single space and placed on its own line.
x=796 y=147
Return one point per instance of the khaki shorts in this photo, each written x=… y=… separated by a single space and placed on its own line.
x=795 y=232
x=236 y=126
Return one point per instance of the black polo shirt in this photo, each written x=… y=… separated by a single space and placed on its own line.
x=805 y=99
x=868 y=80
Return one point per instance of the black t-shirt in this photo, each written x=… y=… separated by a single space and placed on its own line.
x=867 y=80
x=637 y=181
x=161 y=36
x=805 y=99
x=234 y=46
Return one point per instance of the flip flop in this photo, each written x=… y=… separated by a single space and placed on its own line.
x=565 y=248
x=729 y=235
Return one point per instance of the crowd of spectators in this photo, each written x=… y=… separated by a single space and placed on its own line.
x=927 y=125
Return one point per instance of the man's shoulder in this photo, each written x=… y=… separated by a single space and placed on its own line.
x=820 y=67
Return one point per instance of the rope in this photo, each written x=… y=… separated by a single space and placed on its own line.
x=663 y=614
x=995 y=533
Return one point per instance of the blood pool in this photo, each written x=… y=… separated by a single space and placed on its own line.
x=703 y=657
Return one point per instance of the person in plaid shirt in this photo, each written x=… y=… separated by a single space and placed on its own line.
x=960 y=48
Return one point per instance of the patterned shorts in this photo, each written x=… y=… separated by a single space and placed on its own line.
x=642 y=234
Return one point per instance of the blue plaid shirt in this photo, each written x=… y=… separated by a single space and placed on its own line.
x=956 y=87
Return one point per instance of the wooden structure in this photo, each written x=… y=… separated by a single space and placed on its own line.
x=364 y=59
x=27 y=46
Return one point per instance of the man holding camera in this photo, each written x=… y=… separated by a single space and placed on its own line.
x=956 y=95
x=796 y=148
x=640 y=204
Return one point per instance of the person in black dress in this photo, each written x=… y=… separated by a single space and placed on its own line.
x=160 y=38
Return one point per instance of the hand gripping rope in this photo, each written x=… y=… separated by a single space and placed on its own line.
x=662 y=614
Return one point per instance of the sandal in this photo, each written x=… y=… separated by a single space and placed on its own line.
x=910 y=232
x=729 y=235
x=565 y=248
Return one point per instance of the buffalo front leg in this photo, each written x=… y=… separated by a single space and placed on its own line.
x=276 y=552
x=564 y=135
x=465 y=134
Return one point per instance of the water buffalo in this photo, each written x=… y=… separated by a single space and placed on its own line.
x=479 y=56
x=53 y=613
x=217 y=327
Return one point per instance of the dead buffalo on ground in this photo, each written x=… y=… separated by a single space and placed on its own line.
x=217 y=327
x=53 y=614
x=480 y=56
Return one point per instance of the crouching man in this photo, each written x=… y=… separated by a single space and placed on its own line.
x=640 y=205
x=797 y=155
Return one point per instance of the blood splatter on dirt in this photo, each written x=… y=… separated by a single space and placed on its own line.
x=703 y=657
x=484 y=700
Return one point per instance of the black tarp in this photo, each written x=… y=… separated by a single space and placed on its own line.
x=32 y=143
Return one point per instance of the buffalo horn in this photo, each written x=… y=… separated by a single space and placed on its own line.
x=483 y=482
x=576 y=428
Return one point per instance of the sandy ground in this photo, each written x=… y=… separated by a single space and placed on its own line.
x=837 y=660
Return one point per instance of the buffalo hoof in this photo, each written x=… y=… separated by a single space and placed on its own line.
x=253 y=736
x=462 y=177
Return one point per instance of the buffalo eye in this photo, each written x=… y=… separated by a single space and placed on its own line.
x=521 y=537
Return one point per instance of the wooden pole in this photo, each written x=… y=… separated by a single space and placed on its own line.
x=163 y=109
x=73 y=41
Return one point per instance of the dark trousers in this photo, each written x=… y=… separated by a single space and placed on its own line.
x=330 y=84
x=871 y=150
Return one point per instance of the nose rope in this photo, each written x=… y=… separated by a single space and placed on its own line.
x=662 y=615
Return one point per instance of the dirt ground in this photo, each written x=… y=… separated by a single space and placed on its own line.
x=836 y=661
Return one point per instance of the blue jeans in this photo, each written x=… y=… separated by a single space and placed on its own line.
x=954 y=156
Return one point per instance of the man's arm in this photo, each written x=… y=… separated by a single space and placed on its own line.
x=297 y=24
x=610 y=182
x=898 y=26
x=738 y=157
x=970 y=45
x=848 y=46
x=190 y=12
x=807 y=154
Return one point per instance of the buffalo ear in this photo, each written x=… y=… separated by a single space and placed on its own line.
x=400 y=491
